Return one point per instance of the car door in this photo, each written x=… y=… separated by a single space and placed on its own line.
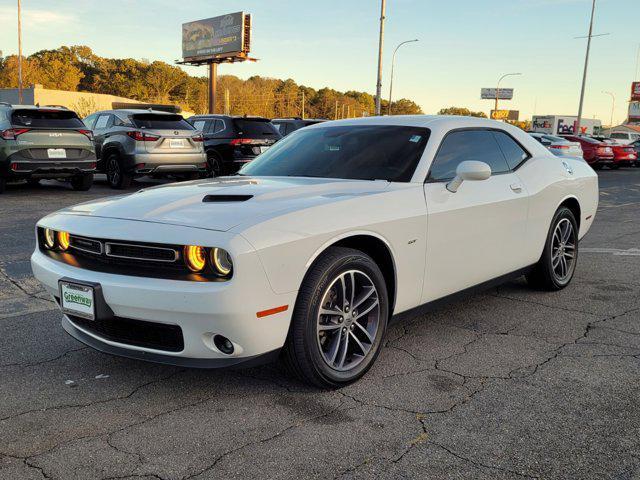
x=474 y=234
x=100 y=131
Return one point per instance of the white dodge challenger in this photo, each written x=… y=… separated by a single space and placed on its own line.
x=313 y=247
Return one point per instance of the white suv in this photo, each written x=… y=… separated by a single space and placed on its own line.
x=624 y=138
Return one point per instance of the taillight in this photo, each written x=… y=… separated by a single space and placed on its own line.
x=142 y=137
x=12 y=133
x=198 y=138
x=560 y=147
x=241 y=141
x=88 y=133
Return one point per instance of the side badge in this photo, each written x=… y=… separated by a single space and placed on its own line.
x=567 y=168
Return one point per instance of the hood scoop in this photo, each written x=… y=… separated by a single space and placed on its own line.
x=225 y=198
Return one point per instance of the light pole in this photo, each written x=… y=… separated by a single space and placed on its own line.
x=584 y=74
x=19 y=54
x=393 y=62
x=613 y=106
x=380 y=42
x=498 y=88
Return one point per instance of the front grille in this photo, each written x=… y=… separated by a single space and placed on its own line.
x=158 y=336
x=141 y=252
x=86 y=244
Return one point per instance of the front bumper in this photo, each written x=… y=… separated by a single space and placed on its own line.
x=200 y=309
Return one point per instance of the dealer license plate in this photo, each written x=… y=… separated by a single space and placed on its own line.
x=77 y=300
x=56 y=153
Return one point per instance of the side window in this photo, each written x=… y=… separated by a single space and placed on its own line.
x=464 y=145
x=217 y=127
x=90 y=120
x=289 y=129
x=102 y=122
x=619 y=135
x=282 y=127
x=199 y=125
x=513 y=152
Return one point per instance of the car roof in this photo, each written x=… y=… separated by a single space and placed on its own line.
x=133 y=111
x=34 y=107
x=233 y=117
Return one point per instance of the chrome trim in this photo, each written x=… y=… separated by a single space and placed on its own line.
x=109 y=254
x=84 y=249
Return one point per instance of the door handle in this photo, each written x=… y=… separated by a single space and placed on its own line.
x=516 y=187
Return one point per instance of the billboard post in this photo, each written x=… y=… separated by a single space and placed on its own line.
x=211 y=41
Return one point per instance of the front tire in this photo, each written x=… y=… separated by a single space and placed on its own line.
x=116 y=176
x=82 y=183
x=339 y=320
x=557 y=265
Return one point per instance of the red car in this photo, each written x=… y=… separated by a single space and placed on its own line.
x=594 y=152
x=623 y=155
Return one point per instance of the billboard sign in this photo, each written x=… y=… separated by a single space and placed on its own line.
x=215 y=37
x=490 y=94
x=635 y=91
x=513 y=115
x=634 y=111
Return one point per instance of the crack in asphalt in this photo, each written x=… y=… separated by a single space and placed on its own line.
x=23 y=365
x=22 y=289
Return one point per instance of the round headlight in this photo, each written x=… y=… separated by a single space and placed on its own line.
x=195 y=258
x=49 y=238
x=221 y=261
x=63 y=241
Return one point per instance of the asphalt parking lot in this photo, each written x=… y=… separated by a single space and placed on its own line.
x=510 y=383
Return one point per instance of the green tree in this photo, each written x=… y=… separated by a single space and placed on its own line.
x=461 y=111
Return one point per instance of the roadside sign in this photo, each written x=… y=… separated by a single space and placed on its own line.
x=635 y=91
x=634 y=111
x=217 y=37
x=513 y=115
x=490 y=94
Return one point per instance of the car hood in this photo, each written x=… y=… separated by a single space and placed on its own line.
x=224 y=203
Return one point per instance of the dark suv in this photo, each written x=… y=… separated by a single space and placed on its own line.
x=287 y=125
x=231 y=142
x=45 y=142
x=135 y=142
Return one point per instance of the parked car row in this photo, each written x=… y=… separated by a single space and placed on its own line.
x=597 y=151
x=54 y=143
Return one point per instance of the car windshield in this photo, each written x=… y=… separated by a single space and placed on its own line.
x=371 y=152
x=46 y=119
x=160 y=121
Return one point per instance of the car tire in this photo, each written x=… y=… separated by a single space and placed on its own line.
x=116 y=176
x=33 y=182
x=557 y=265
x=331 y=350
x=596 y=166
x=614 y=166
x=82 y=183
x=214 y=164
x=3 y=184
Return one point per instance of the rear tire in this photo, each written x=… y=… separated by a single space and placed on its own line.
x=116 y=176
x=597 y=166
x=82 y=183
x=614 y=166
x=557 y=265
x=214 y=165
x=33 y=182
x=334 y=349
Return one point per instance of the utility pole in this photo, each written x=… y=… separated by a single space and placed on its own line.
x=637 y=63
x=393 y=63
x=335 y=115
x=303 y=104
x=227 y=102
x=584 y=74
x=613 y=106
x=213 y=80
x=19 y=53
x=380 y=44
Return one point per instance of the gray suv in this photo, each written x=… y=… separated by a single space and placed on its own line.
x=45 y=142
x=132 y=143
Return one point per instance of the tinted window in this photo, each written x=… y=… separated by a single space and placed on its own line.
x=457 y=147
x=199 y=125
x=619 y=135
x=102 y=122
x=512 y=151
x=216 y=126
x=360 y=153
x=90 y=120
x=160 y=121
x=255 y=128
x=46 y=119
x=282 y=127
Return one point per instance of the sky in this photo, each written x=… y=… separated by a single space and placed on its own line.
x=464 y=45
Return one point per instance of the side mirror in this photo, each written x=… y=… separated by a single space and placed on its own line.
x=469 y=170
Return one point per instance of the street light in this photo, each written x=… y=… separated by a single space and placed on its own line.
x=613 y=106
x=393 y=62
x=19 y=53
x=498 y=88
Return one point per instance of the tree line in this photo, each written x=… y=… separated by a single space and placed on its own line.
x=77 y=68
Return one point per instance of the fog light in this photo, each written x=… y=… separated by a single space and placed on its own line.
x=223 y=344
x=195 y=258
